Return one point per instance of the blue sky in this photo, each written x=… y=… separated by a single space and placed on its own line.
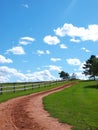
x=40 y=38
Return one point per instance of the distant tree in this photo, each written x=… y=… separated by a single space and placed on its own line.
x=64 y=75
x=73 y=77
x=91 y=67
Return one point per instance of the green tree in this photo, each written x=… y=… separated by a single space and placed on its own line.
x=64 y=75
x=91 y=67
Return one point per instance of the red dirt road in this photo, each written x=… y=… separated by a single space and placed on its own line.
x=27 y=113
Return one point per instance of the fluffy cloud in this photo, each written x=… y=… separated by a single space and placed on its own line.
x=78 y=33
x=41 y=52
x=51 y=40
x=73 y=61
x=74 y=40
x=18 y=50
x=4 y=79
x=81 y=76
x=40 y=76
x=5 y=60
x=12 y=72
x=55 y=59
x=67 y=29
x=54 y=68
x=63 y=46
x=81 y=66
x=6 y=70
x=6 y=74
x=26 y=40
x=86 y=50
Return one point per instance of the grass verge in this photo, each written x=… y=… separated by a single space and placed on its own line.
x=77 y=105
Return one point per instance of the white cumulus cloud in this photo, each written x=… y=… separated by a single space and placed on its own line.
x=51 y=40
x=54 y=68
x=26 y=40
x=81 y=76
x=78 y=34
x=4 y=79
x=18 y=50
x=55 y=59
x=81 y=66
x=63 y=46
x=7 y=73
x=41 y=52
x=5 y=60
x=43 y=75
x=74 y=40
x=73 y=61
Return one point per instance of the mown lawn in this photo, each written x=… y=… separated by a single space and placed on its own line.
x=77 y=105
x=10 y=95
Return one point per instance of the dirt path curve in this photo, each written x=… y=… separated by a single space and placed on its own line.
x=27 y=113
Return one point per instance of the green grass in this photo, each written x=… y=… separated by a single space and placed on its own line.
x=77 y=105
x=10 y=95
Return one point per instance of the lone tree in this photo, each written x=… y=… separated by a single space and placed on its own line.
x=91 y=67
x=74 y=76
x=64 y=75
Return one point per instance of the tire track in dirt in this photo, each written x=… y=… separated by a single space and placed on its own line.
x=27 y=113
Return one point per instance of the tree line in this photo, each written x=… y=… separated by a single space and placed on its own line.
x=90 y=69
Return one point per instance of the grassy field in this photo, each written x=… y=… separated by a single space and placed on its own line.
x=77 y=105
x=10 y=95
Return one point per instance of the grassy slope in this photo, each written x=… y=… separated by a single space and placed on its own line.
x=77 y=105
x=10 y=95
